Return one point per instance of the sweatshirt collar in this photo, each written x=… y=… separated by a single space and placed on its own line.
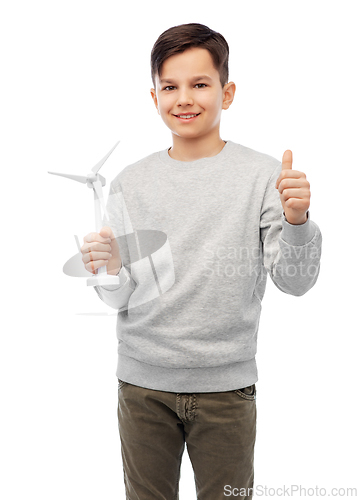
x=201 y=163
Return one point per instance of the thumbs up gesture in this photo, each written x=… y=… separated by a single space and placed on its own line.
x=294 y=191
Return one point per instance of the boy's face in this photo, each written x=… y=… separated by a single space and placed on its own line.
x=190 y=86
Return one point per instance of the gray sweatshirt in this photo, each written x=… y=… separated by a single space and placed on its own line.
x=197 y=240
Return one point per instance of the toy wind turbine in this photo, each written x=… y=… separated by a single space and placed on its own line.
x=95 y=181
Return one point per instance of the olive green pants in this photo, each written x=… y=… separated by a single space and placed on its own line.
x=218 y=428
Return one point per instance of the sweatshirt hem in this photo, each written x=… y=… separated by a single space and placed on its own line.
x=207 y=379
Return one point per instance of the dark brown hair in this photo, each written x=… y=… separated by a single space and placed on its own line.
x=182 y=37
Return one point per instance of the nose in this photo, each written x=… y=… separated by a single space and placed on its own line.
x=185 y=97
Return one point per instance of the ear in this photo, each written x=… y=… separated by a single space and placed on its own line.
x=228 y=94
x=155 y=100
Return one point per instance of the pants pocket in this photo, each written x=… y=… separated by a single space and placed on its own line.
x=121 y=384
x=247 y=392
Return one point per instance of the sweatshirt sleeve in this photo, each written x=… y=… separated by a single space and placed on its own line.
x=291 y=253
x=117 y=296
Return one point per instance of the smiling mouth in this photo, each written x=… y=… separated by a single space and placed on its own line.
x=187 y=116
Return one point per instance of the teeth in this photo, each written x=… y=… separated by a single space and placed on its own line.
x=186 y=116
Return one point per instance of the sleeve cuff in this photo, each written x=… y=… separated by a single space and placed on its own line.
x=297 y=234
x=124 y=277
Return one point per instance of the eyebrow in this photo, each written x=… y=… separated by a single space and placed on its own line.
x=194 y=79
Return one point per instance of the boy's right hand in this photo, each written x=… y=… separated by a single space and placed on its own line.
x=101 y=249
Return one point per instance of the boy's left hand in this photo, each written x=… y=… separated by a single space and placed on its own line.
x=294 y=191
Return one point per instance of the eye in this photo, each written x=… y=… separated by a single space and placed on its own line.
x=169 y=87
x=201 y=85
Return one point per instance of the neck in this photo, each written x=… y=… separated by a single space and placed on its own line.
x=194 y=149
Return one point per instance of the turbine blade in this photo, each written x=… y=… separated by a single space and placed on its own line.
x=78 y=178
x=100 y=163
x=102 y=179
x=97 y=186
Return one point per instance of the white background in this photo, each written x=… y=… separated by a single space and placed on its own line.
x=75 y=79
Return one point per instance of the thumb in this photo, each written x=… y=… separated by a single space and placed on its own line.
x=106 y=232
x=287 y=160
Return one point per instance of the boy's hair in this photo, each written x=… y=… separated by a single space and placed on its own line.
x=183 y=37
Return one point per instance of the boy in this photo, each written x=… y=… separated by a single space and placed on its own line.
x=186 y=355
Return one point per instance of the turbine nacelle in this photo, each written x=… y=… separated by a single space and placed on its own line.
x=91 y=178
